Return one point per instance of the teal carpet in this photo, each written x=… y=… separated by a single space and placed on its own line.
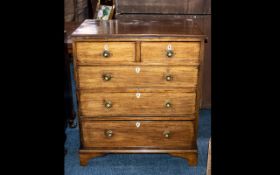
x=138 y=164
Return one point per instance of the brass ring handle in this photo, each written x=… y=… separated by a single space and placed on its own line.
x=168 y=77
x=108 y=133
x=107 y=77
x=166 y=134
x=106 y=53
x=169 y=53
x=108 y=104
x=168 y=105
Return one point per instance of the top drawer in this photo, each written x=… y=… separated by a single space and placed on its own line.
x=180 y=53
x=95 y=53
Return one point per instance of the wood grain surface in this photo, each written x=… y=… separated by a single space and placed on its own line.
x=127 y=104
x=148 y=134
x=91 y=77
x=91 y=52
x=185 y=53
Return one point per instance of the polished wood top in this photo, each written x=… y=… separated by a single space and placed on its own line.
x=138 y=28
x=69 y=28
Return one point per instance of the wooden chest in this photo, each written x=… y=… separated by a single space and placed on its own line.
x=138 y=87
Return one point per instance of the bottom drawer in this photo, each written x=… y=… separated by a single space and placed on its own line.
x=138 y=134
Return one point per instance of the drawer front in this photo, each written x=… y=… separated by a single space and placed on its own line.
x=138 y=133
x=92 y=53
x=183 y=53
x=136 y=76
x=136 y=104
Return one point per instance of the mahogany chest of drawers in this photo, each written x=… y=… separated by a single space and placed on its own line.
x=138 y=87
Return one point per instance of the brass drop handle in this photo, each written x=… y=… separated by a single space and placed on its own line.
x=166 y=134
x=168 y=105
x=169 y=53
x=108 y=104
x=108 y=133
x=107 y=77
x=106 y=53
x=168 y=77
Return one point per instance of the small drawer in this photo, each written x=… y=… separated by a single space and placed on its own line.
x=167 y=134
x=170 y=53
x=136 y=104
x=96 y=53
x=136 y=76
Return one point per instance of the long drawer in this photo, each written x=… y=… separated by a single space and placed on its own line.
x=138 y=134
x=136 y=104
x=136 y=76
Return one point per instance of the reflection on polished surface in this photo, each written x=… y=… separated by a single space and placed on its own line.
x=137 y=27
